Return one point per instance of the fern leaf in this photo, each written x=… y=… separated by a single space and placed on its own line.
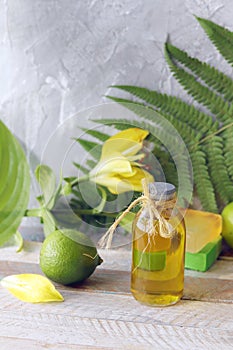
x=167 y=165
x=93 y=148
x=187 y=133
x=76 y=193
x=96 y=134
x=228 y=149
x=174 y=106
x=199 y=92
x=87 y=145
x=221 y=37
x=81 y=167
x=91 y=163
x=203 y=182
x=218 y=169
x=210 y=75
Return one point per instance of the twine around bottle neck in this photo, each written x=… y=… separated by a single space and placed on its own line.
x=154 y=207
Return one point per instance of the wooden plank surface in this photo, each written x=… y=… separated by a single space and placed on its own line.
x=118 y=282
x=102 y=314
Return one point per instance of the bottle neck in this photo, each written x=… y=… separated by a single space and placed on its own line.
x=165 y=202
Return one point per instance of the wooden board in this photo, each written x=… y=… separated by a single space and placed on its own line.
x=118 y=282
x=102 y=314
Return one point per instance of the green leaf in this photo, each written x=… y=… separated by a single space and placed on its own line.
x=16 y=240
x=65 y=216
x=96 y=134
x=81 y=167
x=204 y=186
x=187 y=132
x=14 y=184
x=171 y=105
x=49 y=222
x=31 y=288
x=210 y=75
x=55 y=196
x=91 y=163
x=47 y=181
x=221 y=37
x=93 y=148
x=90 y=193
x=218 y=169
x=201 y=93
x=101 y=205
x=227 y=136
x=19 y=241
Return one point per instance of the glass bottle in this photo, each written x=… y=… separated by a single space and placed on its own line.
x=157 y=275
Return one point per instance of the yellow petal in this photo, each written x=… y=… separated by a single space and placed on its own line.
x=133 y=134
x=119 y=184
x=128 y=142
x=114 y=184
x=126 y=147
x=31 y=288
x=116 y=164
x=136 y=179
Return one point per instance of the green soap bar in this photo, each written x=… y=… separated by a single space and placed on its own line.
x=202 y=260
x=150 y=261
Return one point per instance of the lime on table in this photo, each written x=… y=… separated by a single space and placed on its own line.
x=68 y=256
x=227 y=224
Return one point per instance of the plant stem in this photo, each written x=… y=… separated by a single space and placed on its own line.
x=213 y=134
x=78 y=180
x=92 y=212
x=33 y=212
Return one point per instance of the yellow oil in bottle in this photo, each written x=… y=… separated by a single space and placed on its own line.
x=157 y=276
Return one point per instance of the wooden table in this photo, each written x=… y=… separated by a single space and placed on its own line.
x=102 y=314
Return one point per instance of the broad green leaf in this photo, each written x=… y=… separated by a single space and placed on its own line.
x=31 y=288
x=90 y=194
x=14 y=184
x=47 y=181
x=16 y=240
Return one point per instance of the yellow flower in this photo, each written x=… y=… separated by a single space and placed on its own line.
x=31 y=288
x=118 y=169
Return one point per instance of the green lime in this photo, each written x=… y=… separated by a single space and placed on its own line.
x=227 y=224
x=68 y=256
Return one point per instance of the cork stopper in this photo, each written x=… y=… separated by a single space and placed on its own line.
x=161 y=191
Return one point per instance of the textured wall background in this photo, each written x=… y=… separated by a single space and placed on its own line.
x=58 y=57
